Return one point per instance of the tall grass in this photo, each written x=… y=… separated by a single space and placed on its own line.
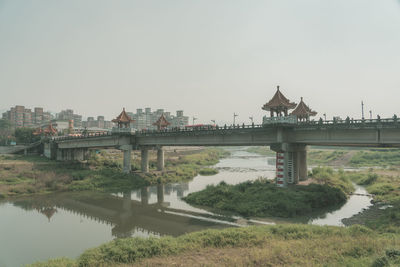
x=298 y=244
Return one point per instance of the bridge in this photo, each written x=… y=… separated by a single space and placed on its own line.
x=288 y=135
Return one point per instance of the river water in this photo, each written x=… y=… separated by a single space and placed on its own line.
x=65 y=224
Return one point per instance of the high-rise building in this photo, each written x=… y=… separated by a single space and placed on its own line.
x=20 y=116
x=67 y=115
x=145 y=120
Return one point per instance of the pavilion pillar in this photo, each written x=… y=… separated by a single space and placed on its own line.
x=160 y=159
x=127 y=165
x=145 y=160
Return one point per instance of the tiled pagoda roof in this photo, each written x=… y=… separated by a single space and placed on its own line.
x=303 y=110
x=123 y=118
x=279 y=100
x=50 y=130
x=162 y=121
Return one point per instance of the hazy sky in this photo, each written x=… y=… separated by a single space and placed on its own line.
x=208 y=57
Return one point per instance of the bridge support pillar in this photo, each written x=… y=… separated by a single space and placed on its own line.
x=160 y=193
x=59 y=155
x=78 y=154
x=127 y=166
x=145 y=160
x=144 y=195
x=160 y=159
x=291 y=163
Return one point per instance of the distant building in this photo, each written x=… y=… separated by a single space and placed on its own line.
x=147 y=119
x=100 y=123
x=67 y=115
x=20 y=116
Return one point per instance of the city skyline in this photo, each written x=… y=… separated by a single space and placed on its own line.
x=211 y=59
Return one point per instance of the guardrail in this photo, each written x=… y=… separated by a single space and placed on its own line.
x=349 y=123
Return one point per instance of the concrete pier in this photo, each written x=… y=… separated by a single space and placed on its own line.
x=145 y=160
x=295 y=162
x=127 y=163
x=160 y=193
x=160 y=159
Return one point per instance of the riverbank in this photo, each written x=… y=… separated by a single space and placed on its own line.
x=384 y=184
x=24 y=175
x=282 y=245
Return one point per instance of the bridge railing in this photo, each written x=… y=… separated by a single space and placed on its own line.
x=216 y=128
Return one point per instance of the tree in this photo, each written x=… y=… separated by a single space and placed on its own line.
x=6 y=130
x=25 y=135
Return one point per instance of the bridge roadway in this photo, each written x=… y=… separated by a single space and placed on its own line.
x=290 y=139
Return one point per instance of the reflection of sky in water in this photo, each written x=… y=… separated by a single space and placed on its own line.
x=354 y=205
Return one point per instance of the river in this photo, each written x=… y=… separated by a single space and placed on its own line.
x=65 y=224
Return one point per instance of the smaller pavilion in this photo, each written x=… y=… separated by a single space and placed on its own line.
x=303 y=112
x=279 y=104
x=161 y=123
x=123 y=120
x=50 y=130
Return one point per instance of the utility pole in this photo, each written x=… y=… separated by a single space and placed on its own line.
x=234 y=117
x=362 y=110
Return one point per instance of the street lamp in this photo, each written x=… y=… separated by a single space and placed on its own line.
x=251 y=118
x=362 y=110
x=234 y=117
x=370 y=114
x=324 y=116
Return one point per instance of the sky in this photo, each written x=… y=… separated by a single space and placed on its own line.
x=210 y=58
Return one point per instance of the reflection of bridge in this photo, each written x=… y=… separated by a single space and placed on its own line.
x=289 y=138
x=125 y=214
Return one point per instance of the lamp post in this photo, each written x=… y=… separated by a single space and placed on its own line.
x=324 y=116
x=251 y=118
x=370 y=114
x=362 y=110
x=234 y=117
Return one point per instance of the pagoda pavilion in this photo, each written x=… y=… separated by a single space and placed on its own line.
x=303 y=112
x=123 y=120
x=161 y=123
x=49 y=131
x=279 y=104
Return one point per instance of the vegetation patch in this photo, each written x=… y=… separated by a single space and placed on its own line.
x=208 y=171
x=378 y=157
x=264 y=198
x=385 y=186
x=21 y=175
x=279 y=245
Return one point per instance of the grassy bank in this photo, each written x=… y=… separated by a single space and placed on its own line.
x=21 y=175
x=385 y=186
x=263 y=198
x=382 y=157
x=282 y=245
